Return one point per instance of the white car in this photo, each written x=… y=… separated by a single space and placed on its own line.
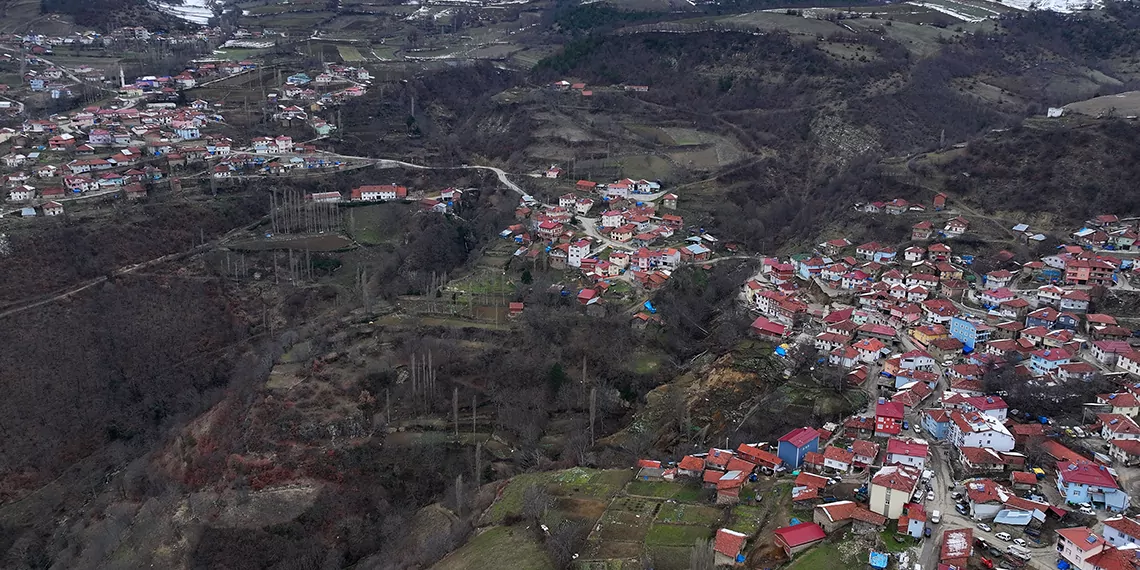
x=935 y=517
x=985 y=527
x=1021 y=542
x=1003 y=536
x=1087 y=511
x=930 y=495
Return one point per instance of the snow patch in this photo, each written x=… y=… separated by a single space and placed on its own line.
x=196 y=11
x=1064 y=6
x=948 y=11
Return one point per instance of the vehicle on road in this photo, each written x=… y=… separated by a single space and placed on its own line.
x=985 y=527
x=1021 y=542
x=915 y=428
x=1018 y=552
x=936 y=517
x=1087 y=511
x=926 y=532
x=906 y=424
x=930 y=495
x=1003 y=536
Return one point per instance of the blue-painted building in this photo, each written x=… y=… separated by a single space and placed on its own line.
x=970 y=333
x=1088 y=482
x=797 y=443
x=936 y=422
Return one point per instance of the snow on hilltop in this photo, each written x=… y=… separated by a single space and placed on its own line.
x=1065 y=6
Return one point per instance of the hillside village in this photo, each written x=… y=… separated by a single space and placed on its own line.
x=939 y=471
x=939 y=457
x=150 y=132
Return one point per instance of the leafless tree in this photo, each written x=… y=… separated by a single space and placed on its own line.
x=702 y=557
x=535 y=500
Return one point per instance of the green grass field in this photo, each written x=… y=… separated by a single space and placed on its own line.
x=747 y=519
x=576 y=483
x=683 y=513
x=499 y=547
x=825 y=555
x=349 y=53
x=676 y=535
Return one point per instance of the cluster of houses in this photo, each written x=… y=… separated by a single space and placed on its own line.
x=582 y=89
x=631 y=238
x=443 y=203
x=1117 y=547
x=895 y=478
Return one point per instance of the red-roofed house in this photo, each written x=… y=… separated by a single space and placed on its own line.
x=1121 y=530
x=718 y=459
x=1088 y=482
x=758 y=456
x=792 y=447
x=957 y=545
x=1123 y=403
x=729 y=547
x=838 y=459
x=797 y=538
x=1126 y=451
x=891 y=488
x=866 y=452
x=1077 y=545
x=888 y=418
x=691 y=466
x=906 y=452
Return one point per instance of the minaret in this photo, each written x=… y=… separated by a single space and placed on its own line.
x=122 y=79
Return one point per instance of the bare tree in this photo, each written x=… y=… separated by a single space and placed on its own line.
x=702 y=557
x=535 y=500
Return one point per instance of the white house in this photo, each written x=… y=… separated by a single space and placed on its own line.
x=21 y=193
x=891 y=488
x=577 y=252
x=910 y=452
x=1121 y=530
x=972 y=429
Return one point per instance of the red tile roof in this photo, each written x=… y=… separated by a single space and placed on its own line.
x=691 y=463
x=729 y=542
x=956 y=543
x=1082 y=537
x=800 y=534
x=897 y=477
x=1024 y=478
x=893 y=410
x=837 y=454
x=805 y=479
x=907 y=447
x=864 y=448
x=1086 y=473
x=1125 y=525
x=800 y=437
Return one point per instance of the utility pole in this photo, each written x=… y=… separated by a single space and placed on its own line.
x=455 y=409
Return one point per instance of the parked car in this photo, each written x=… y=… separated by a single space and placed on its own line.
x=1003 y=536
x=985 y=527
x=956 y=496
x=926 y=532
x=906 y=424
x=1087 y=511
x=961 y=509
x=915 y=427
x=930 y=495
x=935 y=517
x=1020 y=542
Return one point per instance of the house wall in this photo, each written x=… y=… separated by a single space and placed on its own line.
x=794 y=456
x=935 y=429
x=1117 y=538
x=888 y=502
